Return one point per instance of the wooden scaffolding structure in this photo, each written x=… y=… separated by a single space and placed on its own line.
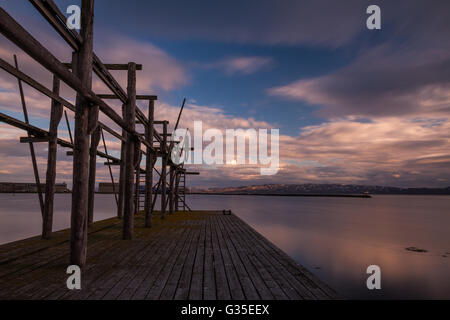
x=88 y=131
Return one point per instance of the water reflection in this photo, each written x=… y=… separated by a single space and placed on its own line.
x=337 y=238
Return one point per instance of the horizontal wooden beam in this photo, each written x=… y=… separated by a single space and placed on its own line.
x=38 y=132
x=33 y=139
x=161 y=122
x=49 y=10
x=138 y=97
x=51 y=13
x=36 y=85
x=111 y=66
x=122 y=66
x=111 y=163
x=35 y=131
x=12 y=30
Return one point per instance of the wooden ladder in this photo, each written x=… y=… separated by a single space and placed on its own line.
x=181 y=199
x=140 y=194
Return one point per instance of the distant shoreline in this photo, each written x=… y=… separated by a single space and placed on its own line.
x=367 y=196
x=284 y=194
x=22 y=192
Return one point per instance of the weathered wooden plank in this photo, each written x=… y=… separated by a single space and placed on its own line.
x=138 y=97
x=24 y=271
x=209 y=283
x=163 y=262
x=109 y=269
x=250 y=271
x=55 y=275
x=138 y=277
x=108 y=251
x=187 y=275
x=166 y=284
x=113 y=66
x=199 y=255
x=198 y=274
x=235 y=286
x=270 y=275
x=248 y=287
x=274 y=268
x=33 y=139
x=307 y=286
x=108 y=286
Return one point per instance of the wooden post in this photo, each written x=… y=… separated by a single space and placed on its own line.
x=33 y=155
x=55 y=118
x=149 y=163
x=171 y=186
x=128 y=212
x=95 y=139
x=163 y=171
x=123 y=157
x=78 y=239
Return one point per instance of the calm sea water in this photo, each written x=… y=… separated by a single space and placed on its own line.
x=335 y=238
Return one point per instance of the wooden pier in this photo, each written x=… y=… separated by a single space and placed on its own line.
x=189 y=255
x=181 y=254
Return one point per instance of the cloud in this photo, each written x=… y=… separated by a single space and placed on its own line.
x=403 y=70
x=383 y=81
x=242 y=65
x=390 y=151
x=160 y=70
x=291 y=22
x=385 y=151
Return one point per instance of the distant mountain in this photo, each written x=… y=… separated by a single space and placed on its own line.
x=320 y=189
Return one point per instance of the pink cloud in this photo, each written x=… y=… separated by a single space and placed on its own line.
x=243 y=65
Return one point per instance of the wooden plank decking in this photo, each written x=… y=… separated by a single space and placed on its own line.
x=199 y=255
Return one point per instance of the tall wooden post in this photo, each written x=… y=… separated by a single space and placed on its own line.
x=78 y=238
x=123 y=155
x=163 y=171
x=149 y=163
x=55 y=117
x=171 y=186
x=128 y=213
x=95 y=139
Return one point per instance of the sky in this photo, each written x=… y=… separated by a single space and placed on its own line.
x=352 y=105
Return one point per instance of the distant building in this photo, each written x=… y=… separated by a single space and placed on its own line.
x=107 y=187
x=19 y=187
